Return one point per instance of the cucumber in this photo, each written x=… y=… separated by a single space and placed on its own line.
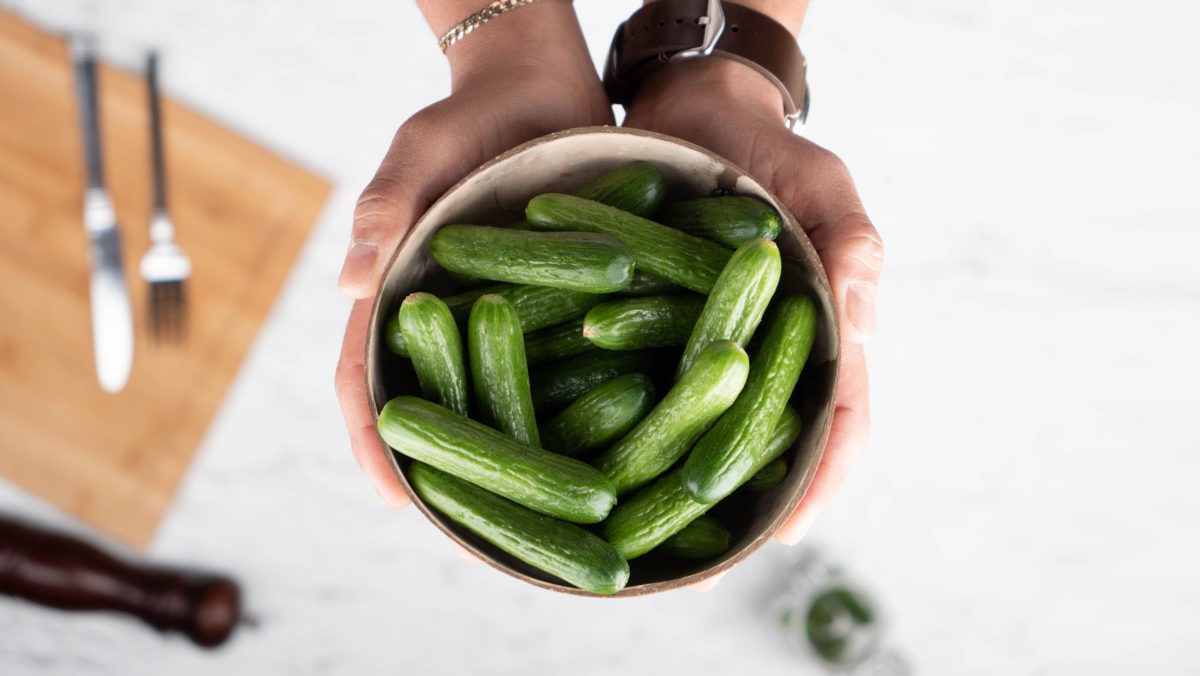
x=555 y=343
x=731 y=220
x=649 y=284
x=545 y=482
x=676 y=256
x=663 y=436
x=637 y=187
x=638 y=323
x=537 y=306
x=768 y=476
x=738 y=299
x=436 y=349
x=584 y=261
x=703 y=538
x=606 y=412
x=393 y=336
x=561 y=549
x=556 y=385
x=721 y=460
x=498 y=368
x=660 y=510
x=652 y=515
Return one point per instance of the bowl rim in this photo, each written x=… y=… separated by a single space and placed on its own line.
x=373 y=345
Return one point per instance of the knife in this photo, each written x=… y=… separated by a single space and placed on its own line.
x=112 y=317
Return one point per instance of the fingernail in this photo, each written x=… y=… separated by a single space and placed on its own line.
x=796 y=533
x=359 y=261
x=860 y=306
x=387 y=500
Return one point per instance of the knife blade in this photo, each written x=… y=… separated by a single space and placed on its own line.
x=112 y=315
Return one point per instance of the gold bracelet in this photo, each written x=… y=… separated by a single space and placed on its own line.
x=464 y=27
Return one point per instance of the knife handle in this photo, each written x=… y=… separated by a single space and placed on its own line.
x=89 y=109
x=59 y=571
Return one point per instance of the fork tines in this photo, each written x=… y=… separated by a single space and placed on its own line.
x=168 y=311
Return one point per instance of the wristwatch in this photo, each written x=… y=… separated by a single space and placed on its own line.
x=668 y=31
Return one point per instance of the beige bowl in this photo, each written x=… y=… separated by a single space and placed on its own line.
x=496 y=194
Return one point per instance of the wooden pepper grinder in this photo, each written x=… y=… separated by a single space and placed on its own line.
x=59 y=571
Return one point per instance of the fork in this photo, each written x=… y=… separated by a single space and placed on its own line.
x=164 y=267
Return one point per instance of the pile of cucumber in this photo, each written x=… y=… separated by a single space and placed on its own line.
x=602 y=400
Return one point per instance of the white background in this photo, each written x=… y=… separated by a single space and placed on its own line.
x=1027 y=504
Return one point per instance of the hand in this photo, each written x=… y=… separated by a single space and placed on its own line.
x=523 y=75
x=732 y=110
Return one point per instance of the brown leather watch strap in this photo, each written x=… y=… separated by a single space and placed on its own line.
x=659 y=30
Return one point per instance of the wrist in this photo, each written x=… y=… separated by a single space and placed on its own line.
x=709 y=81
x=541 y=40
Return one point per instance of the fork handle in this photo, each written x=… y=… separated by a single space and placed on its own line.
x=156 y=136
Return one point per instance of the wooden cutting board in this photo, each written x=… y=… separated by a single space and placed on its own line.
x=242 y=214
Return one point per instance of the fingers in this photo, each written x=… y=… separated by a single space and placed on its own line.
x=850 y=247
x=705 y=585
x=415 y=171
x=847 y=437
x=351 y=387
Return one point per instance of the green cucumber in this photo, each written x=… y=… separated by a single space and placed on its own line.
x=555 y=343
x=436 y=349
x=649 y=284
x=637 y=187
x=584 y=261
x=660 y=510
x=556 y=385
x=393 y=336
x=720 y=461
x=731 y=220
x=663 y=436
x=768 y=476
x=638 y=323
x=676 y=256
x=738 y=299
x=498 y=368
x=537 y=306
x=543 y=481
x=561 y=549
x=652 y=515
x=703 y=538
x=606 y=412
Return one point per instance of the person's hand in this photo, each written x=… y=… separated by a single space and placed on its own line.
x=523 y=75
x=732 y=110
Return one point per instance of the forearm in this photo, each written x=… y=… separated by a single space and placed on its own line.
x=790 y=13
x=544 y=34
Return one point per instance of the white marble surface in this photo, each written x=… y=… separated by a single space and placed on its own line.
x=1027 y=504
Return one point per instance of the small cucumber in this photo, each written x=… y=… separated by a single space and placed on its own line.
x=555 y=343
x=436 y=349
x=537 y=306
x=731 y=220
x=606 y=412
x=584 y=261
x=637 y=187
x=768 y=476
x=703 y=538
x=556 y=385
x=649 y=284
x=543 y=481
x=498 y=368
x=676 y=256
x=663 y=436
x=660 y=510
x=638 y=323
x=738 y=299
x=721 y=460
x=561 y=549
x=652 y=515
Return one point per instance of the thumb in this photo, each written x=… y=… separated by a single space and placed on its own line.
x=412 y=175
